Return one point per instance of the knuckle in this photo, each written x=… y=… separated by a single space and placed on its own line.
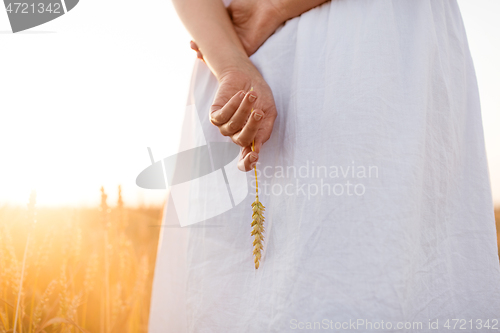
x=233 y=126
x=245 y=142
x=212 y=120
x=241 y=141
x=227 y=130
x=218 y=119
x=252 y=124
x=212 y=115
x=237 y=141
x=223 y=118
x=222 y=131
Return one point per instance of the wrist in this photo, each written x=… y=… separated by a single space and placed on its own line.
x=237 y=63
x=277 y=12
x=288 y=9
x=247 y=75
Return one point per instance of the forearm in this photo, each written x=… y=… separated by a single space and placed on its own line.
x=211 y=28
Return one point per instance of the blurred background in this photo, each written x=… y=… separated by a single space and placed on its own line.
x=82 y=97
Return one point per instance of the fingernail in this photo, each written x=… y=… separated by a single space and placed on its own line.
x=241 y=94
x=257 y=116
x=252 y=98
x=253 y=157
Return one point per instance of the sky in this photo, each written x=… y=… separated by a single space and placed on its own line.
x=83 y=96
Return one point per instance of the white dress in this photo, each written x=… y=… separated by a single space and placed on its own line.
x=375 y=181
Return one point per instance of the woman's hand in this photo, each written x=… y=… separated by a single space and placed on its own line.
x=231 y=111
x=255 y=21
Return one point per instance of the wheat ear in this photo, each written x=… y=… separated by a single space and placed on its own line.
x=32 y=221
x=257 y=217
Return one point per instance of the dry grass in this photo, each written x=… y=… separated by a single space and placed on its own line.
x=86 y=270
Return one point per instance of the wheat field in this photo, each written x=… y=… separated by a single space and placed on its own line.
x=82 y=270
x=85 y=270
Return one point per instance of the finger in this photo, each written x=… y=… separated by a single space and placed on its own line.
x=199 y=55
x=245 y=137
x=194 y=46
x=265 y=130
x=257 y=144
x=245 y=151
x=247 y=163
x=219 y=117
x=238 y=119
x=261 y=137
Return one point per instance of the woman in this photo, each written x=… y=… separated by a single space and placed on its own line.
x=372 y=167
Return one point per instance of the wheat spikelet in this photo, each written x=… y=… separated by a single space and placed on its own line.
x=123 y=244
x=124 y=257
x=73 y=306
x=107 y=246
x=258 y=218
x=91 y=273
x=4 y=324
x=89 y=282
x=258 y=229
x=4 y=273
x=41 y=259
x=104 y=209
x=122 y=221
x=76 y=239
x=118 y=304
x=140 y=282
x=42 y=305
x=12 y=270
x=43 y=252
x=31 y=221
x=67 y=242
x=30 y=241
x=64 y=297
